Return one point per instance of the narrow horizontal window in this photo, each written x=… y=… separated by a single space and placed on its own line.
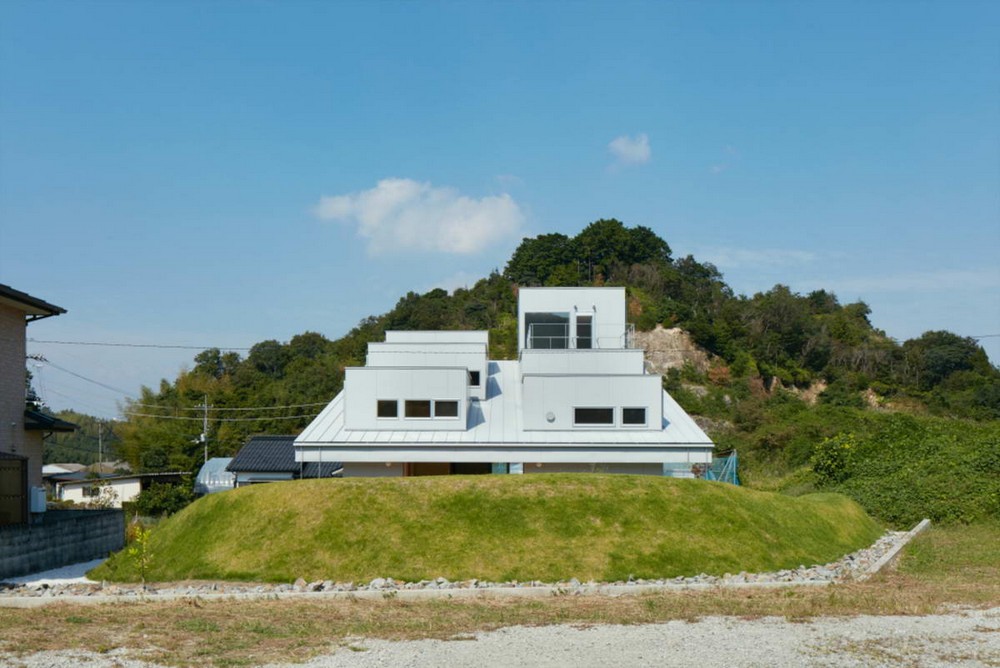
x=634 y=416
x=418 y=408
x=388 y=408
x=446 y=409
x=584 y=416
x=474 y=378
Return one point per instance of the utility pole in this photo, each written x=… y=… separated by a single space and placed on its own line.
x=204 y=427
x=100 y=446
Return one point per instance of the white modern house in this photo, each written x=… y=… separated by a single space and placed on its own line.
x=576 y=399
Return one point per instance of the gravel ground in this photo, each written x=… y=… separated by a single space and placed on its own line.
x=962 y=638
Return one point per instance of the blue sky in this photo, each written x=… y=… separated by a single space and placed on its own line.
x=221 y=173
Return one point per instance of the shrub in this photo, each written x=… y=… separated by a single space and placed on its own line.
x=163 y=499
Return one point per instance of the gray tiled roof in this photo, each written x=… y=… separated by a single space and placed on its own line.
x=276 y=454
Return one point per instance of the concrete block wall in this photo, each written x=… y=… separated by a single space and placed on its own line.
x=63 y=537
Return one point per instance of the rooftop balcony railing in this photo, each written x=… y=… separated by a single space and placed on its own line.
x=556 y=336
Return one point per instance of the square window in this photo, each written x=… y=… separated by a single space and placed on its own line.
x=388 y=408
x=418 y=408
x=474 y=378
x=634 y=416
x=588 y=416
x=446 y=409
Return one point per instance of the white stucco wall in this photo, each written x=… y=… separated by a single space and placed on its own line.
x=122 y=491
x=437 y=336
x=470 y=356
x=364 y=386
x=582 y=361
x=559 y=395
x=606 y=305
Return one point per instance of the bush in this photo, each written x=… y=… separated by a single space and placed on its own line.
x=163 y=499
x=902 y=469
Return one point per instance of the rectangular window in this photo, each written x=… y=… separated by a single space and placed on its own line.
x=388 y=408
x=585 y=331
x=635 y=417
x=588 y=416
x=447 y=409
x=418 y=408
x=546 y=330
x=474 y=378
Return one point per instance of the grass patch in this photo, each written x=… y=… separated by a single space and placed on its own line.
x=537 y=527
x=941 y=568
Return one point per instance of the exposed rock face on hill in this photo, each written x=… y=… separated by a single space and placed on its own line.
x=670 y=349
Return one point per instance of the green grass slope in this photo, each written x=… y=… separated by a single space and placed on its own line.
x=541 y=527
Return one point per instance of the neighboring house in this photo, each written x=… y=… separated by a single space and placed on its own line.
x=108 y=489
x=213 y=477
x=271 y=459
x=23 y=427
x=576 y=399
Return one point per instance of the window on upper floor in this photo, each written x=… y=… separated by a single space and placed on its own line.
x=448 y=409
x=388 y=408
x=593 y=416
x=474 y=379
x=634 y=417
x=417 y=408
x=546 y=330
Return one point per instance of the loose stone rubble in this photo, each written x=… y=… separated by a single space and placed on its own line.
x=851 y=567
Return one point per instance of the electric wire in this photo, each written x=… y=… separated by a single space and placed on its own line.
x=110 y=344
x=198 y=419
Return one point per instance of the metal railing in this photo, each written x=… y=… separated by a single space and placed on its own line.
x=556 y=336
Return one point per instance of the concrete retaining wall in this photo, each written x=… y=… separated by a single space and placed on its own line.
x=63 y=537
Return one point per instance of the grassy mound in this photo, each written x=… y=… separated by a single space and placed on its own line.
x=541 y=527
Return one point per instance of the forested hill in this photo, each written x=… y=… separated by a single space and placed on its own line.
x=778 y=334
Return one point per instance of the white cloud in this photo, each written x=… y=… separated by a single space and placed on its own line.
x=730 y=258
x=630 y=150
x=407 y=215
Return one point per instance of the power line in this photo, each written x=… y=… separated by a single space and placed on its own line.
x=213 y=408
x=82 y=377
x=134 y=345
x=200 y=419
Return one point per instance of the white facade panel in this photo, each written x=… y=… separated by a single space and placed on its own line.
x=437 y=336
x=550 y=402
x=470 y=356
x=365 y=386
x=624 y=361
x=605 y=305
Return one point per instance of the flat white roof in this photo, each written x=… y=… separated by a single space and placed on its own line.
x=497 y=421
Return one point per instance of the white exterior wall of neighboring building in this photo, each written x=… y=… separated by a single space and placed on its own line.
x=550 y=403
x=364 y=387
x=605 y=305
x=469 y=356
x=117 y=491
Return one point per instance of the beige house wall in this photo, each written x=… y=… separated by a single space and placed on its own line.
x=12 y=375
